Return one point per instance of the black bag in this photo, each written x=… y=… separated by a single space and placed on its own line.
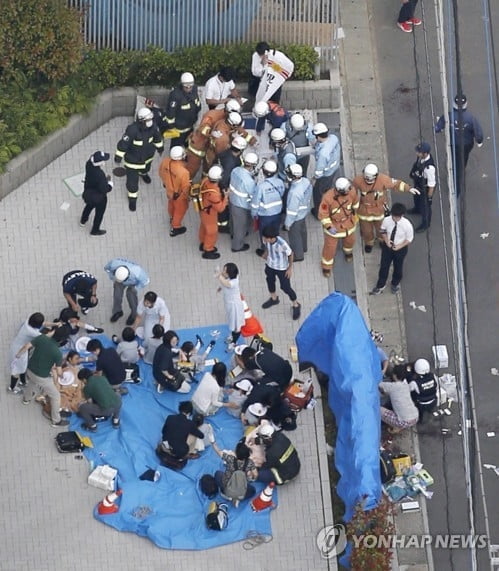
x=175 y=383
x=261 y=342
x=208 y=485
x=69 y=441
x=217 y=517
x=168 y=460
x=386 y=467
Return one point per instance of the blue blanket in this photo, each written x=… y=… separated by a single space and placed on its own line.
x=170 y=512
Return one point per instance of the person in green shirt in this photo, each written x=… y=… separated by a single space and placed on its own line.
x=102 y=400
x=45 y=356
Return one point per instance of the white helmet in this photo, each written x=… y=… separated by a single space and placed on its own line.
x=250 y=159
x=297 y=121
x=294 y=171
x=266 y=430
x=233 y=105
x=146 y=116
x=277 y=136
x=261 y=109
x=239 y=143
x=370 y=173
x=422 y=367
x=234 y=118
x=121 y=273
x=342 y=185
x=269 y=168
x=320 y=129
x=177 y=153
x=187 y=78
x=215 y=173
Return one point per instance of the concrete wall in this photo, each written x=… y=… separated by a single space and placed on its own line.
x=323 y=94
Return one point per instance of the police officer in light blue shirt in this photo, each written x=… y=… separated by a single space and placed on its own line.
x=297 y=208
x=268 y=199
x=327 y=162
x=129 y=276
x=299 y=132
x=285 y=152
x=242 y=187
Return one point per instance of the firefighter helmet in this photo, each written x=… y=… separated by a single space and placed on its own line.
x=234 y=118
x=342 y=185
x=215 y=173
x=460 y=100
x=277 y=136
x=121 y=274
x=269 y=168
x=250 y=159
x=422 y=367
x=297 y=121
x=187 y=79
x=233 y=105
x=294 y=171
x=261 y=109
x=239 y=143
x=146 y=116
x=177 y=153
x=370 y=173
x=320 y=129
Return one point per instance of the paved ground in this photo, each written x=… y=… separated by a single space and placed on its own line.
x=46 y=503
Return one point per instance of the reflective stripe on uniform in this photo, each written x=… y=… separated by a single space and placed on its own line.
x=135 y=167
x=238 y=192
x=270 y=204
x=196 y=152
x=372 y=218
x=138 y=143
x=120 y=153
x=327 y=262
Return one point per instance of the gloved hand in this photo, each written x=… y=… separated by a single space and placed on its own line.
x=117 y=159
x=414 y=191
x=110 y=183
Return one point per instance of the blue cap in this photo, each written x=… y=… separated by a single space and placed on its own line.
x=423 y=147
x=99 y=157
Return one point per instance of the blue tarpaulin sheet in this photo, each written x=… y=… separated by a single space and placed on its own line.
x=170 y=512
x=335 y=338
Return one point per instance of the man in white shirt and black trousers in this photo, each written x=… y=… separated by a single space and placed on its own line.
x=397 y=233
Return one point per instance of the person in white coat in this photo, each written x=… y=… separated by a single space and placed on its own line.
x=208 y=397
x=234 y=309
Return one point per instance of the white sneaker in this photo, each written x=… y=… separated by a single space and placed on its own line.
x=159 y=389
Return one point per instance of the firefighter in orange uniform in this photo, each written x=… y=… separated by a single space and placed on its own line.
x=338 y=219
x=373 y=186
x=211 y=201
x=177 y=182
x=199 y=139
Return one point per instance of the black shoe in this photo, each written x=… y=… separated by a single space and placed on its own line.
x=83 y=222
x=270 y=302
x=224 y=230
x=421 y=228
x=177 y=231
x=368 y=249
x=349 y=258
x=98 y=233
x=132 y=204
x=116 y=316
x=296 y=311
x=85 y=310
x=146 y=178
x=59 y=424
x=259 y=252
x=65 y=413
x=243 y=249
x=92 y=428
x=131 y=319
x=201 y=248
x=213 y=255
x=97 y=330
x=115 y=339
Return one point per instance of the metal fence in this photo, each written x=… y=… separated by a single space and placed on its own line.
x=170 y=24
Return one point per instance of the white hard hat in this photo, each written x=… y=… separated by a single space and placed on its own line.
x=215 y=173
x=250 y=159
x=269 y=167
x=342 y=184
x=239 y=143
x=297 y=121
x=370 y=172
x=145 y=114
x=234 y=118
x=257 y=409
x=266 y=430
x=239 y=349
x=277 y=135
x=295 y=170
x=261 y=109
x=422 y=367
x=320 y=129
x=244 y=385
x=233 y=105
x=177 y=153
x=121 y=273
x=187 y=78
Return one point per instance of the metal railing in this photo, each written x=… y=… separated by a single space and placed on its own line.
x=171 y=24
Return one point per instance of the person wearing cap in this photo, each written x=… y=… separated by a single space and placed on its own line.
x=182 y=110
x=237 y=396
x=79 y=289
x=269 y=112
x=465 y=129
x=423 y=173
x=297 y=209
x=176 y=180
x=373 y=187
x=285 y=154
x=282 y=463
x=242 y=187
x=95 y=188
x=220 y=88
x=327 y=162
x=127 y=276
x=253 y=414
x=299 y=132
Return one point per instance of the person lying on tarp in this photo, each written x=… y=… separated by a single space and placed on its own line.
x=180 y=432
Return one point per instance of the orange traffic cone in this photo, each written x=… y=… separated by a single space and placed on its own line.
x=108 y=505
x=251 y=324
x=264 y=500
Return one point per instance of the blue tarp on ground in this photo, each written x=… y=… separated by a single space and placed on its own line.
x=170 y=512
x=335 y=338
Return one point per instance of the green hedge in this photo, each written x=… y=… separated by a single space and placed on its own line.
x=30 y=111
